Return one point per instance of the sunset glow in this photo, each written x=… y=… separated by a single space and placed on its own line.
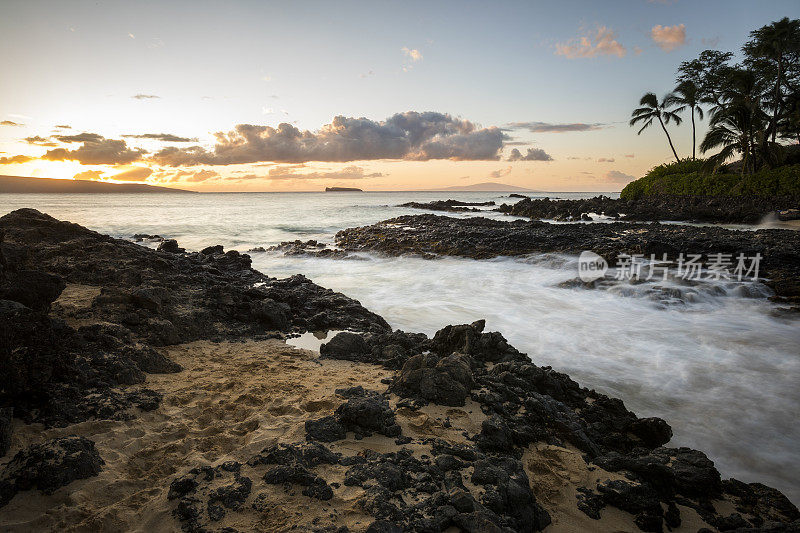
x=170 y=97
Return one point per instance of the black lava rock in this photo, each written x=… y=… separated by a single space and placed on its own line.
x=49 y=466
x=445 y=381
x=6 y=415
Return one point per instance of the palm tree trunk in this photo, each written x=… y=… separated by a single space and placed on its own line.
x=745 y=156
x=669 y=139
x=694 y=141
x=777 y=100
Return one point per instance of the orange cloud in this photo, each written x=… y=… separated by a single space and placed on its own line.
x=412 y=53
x=668 y=38
x=88 y=175
x=603 y=42
x=96 y=150
x=134 y=174
x=615 y=176
x=15 y=160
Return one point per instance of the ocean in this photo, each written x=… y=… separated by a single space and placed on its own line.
x=720 y=366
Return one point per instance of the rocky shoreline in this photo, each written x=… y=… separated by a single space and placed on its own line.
x=448 y=205
x=108 y=345
x=707 y=209
x=718 y=209
x=431 y=236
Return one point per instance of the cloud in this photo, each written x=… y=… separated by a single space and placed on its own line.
x=500 y=172
x=412 y=53
x=602 y=42
x=668 y=38
x=615 y=176
x=534 y=154
x=347 y=173
x=410 y=135
x=88 y=175
x=548 y=127
x=246 y=177
x=164 y=137
x=62 y=127
x=630 y=156
x=39 y=141
x=15 y=160
x=10 y=123
x=141 y=96
x=203 y=175
x=97 y=151
x=612 y=177
x=79 y=138
x=605 y=160
x=192 y=176
x=134 y=174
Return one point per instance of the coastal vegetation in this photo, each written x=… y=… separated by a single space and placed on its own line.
x=689 y=178
x=753 y=108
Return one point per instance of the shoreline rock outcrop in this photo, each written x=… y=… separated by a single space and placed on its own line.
x=448 y=205
x=430 y=236
x=481 y=479
x=719 y=209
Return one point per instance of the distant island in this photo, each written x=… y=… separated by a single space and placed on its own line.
x=342 y=189
x=21 y=184
x=487 y=186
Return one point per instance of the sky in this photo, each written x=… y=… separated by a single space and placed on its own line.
x=279 y=96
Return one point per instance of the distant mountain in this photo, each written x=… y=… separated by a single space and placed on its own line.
x=342 y=189
x=20 y=184
x=488 y=186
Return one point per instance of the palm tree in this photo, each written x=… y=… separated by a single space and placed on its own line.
x=652 y=109
x=743 y=107
x=740 y=128
x=687 y=95
x=774 y=43
x=731 y=130
x=789 y=125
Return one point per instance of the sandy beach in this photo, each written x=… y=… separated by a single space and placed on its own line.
x=234 y=399
x=154 y=390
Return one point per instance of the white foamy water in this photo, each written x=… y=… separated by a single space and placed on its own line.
x=721 y=367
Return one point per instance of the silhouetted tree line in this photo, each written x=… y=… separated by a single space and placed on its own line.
x=753 y=106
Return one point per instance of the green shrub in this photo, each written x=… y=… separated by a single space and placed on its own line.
x=687 y=179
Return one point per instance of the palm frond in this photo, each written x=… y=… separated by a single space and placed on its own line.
x=642 y=111
x=639 y=118
x=699 y=111
x=723 y=155
x=719 y=135
x=649 y=100
x=670 y=116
